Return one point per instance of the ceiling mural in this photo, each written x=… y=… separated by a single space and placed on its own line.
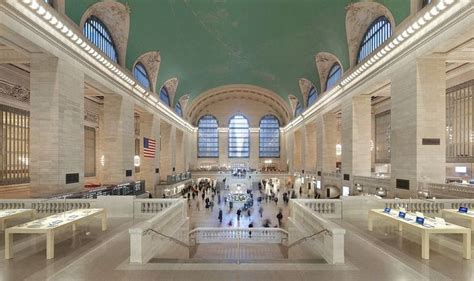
x=210 y=43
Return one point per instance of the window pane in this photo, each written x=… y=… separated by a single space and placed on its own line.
x=299 y=109
x=141 y=75
x=334 y=76
x=208 y=137
x=98 y=34
x=312 y=96
x=239 y=137
x=269 y=140
x=379 y=31
x=164 y=97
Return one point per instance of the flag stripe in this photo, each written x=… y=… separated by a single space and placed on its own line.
x=149 y=148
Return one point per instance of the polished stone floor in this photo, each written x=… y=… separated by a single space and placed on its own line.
x=91 y=254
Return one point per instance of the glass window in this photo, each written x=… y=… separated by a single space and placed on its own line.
x=139 y=72
x=164 y=97
x=100 y=36
x=269 y=139
x=14 y=145
x=178 y=109
x=239 y=137
x=312 y=96
x=379 y=31
x=208 y=137
x=298 y=109
x=334 y=76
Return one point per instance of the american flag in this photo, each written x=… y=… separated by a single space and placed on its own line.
x=149 y=148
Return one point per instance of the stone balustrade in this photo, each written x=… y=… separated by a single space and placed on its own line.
x=327 y=208
x=202 y=235
x=304 y=222
x=447 y=190
x=150 y=207
x=167 y=228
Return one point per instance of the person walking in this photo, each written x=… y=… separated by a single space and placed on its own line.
x=279 y=217
x=260 y=211
x=211 y=204
x=276 y=200
x=250 y=229
x=198 y=205
x=220 y=216
x=238 y=214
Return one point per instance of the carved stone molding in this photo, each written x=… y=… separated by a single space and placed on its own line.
x=116 y=16
x=92 y=117
x=151 y=61
x=324 y=62
x=293 y=102
x=184 y=103
x=305 y=86
x=359 y=16
x=17 y=92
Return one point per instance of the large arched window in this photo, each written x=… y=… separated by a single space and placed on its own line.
x=178 y=109
x=312 y=95
x=298 y=109
x=269 y=139
x=334 y=76
x=208 y=137
x=164 y=96
x=239 y=137
x=100 y=36
x=139 y=72
x=379 y=31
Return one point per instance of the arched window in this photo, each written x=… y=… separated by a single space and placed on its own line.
x=269 y=139
x=298 y=109
x=178 y=109
x=208 y=137
x=379 y=31
x=312 y=96
x=334 y=75
x=239 y=137
x=164 y=97
x=100 y=36
x=139 y=72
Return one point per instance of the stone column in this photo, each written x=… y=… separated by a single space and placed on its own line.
x=289 y=139
x=179 y=151
x=418 y=124
x=326 y=139
x=192 y=145
x=356 y=136
x=173 y=147
x=254 y=148
x=310 y=152
x=117 y=139
x=166 y=161
x=223 y=146
x=56 y=126
x=150 y=128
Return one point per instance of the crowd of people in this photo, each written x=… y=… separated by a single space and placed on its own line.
x=207 y=195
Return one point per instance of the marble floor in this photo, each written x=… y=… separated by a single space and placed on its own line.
x=91 y=254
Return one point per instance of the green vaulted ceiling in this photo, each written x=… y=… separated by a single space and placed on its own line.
x=211 y=43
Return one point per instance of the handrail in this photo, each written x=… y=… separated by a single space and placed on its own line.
x=197 y=229
x=166 y=236
x=307 y=237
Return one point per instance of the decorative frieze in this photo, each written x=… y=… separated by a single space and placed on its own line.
x=14 y=91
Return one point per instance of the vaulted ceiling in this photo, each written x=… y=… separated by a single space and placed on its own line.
x=211 y=43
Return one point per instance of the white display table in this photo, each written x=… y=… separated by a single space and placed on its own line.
x=14 y=213
x=469 y=216
x=49 y=225
x=425 y=230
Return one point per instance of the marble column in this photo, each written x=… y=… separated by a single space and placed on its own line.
x=117 y=140
x=150 y=128
x=418 y=124
x=326 y=139
x=56 y=126
x=356 y=126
